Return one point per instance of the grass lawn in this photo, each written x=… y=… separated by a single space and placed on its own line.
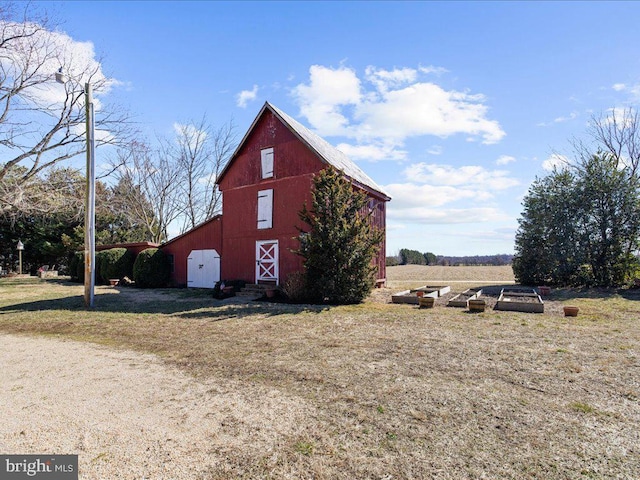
x=391 y=391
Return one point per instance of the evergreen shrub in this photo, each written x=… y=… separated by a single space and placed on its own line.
x=151 y=269
x=115 y=263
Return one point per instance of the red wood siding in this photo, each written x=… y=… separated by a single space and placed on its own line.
x=294 y=166
x=292 y=158
x=379 y=220
x=241 y=232
x=205 y=236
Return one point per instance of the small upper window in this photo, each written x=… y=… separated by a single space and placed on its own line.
x=266 y=161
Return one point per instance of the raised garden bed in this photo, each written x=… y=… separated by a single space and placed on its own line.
x=411 y=296
x=520 y=300
x=461 y=299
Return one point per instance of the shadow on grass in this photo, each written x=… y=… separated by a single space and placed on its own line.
x=164 y=302
x=239 y=310
x=64 y=303
x=595 y=293
x=569 y=293
x=493 y=290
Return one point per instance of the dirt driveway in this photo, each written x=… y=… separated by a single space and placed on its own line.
x=127 y=415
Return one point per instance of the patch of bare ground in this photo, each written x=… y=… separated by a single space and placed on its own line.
x=382 y=390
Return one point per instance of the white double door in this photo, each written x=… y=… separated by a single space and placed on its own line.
x=203 y=268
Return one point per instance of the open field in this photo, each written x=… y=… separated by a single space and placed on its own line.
x=404 y=277
x=374 y=390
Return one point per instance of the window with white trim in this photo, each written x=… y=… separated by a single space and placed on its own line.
x=266 y=162
x=265 y=209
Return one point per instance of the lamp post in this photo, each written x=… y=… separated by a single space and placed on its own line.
x=90 y=195
x=20 y=248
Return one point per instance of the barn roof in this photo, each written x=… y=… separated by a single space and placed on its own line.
x=127 y=245
x=323 y=149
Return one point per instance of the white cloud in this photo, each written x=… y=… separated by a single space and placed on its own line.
x=446 y=194
x=632 y=90
x=189 y=134
x=321 y=100
x=386 y=107
x=385 y=79
x=408 y=196
x=447 y=215
x=41 y=54
x=101 y=135
x=435 y=150
x=471 y=176
x=555 y=161
x=571 y=116
x=561 y=119
x=505 y=159
x=246 y=96
x=372 y=152
x=434 y=70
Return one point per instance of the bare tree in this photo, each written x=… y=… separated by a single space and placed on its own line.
x=201 y=152
x=618 y=133
x=42 y=122
x=149 y=183
x=58 y=190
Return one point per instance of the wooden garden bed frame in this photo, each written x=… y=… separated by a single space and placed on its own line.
x=411 y=296
x=520 y=300
x=461 y=300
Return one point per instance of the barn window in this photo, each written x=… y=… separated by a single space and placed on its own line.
x=171 y=261
x=265 y=209
x=266 y=161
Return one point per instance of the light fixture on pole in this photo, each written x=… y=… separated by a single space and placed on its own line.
x=90 y=195
x=20 y=248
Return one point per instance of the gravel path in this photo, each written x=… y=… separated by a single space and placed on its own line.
x=128 y=415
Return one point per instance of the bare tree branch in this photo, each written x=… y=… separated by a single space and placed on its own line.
x=619 y=133
x=202 y=153
x=41 y=122
x=149 y=182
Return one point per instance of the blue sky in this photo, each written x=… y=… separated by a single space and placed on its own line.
x=453 y=107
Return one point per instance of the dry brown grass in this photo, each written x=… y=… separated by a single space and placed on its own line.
x=459 y=278
x=489 y=274
x=393 y=391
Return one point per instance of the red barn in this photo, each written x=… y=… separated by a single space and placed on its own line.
x=195 y=255
x=264 y=186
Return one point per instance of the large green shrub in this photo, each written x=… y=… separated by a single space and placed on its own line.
x=339 y=244
x=580 y=226
x=114 y=263
x=151 y=269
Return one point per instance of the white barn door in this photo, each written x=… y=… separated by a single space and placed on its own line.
x=203 y=269
x=267 y=261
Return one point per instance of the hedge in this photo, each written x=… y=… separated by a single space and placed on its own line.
x=114 y=263
x=151 y=269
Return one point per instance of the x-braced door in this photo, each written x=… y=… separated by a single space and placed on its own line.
x=267 y=260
